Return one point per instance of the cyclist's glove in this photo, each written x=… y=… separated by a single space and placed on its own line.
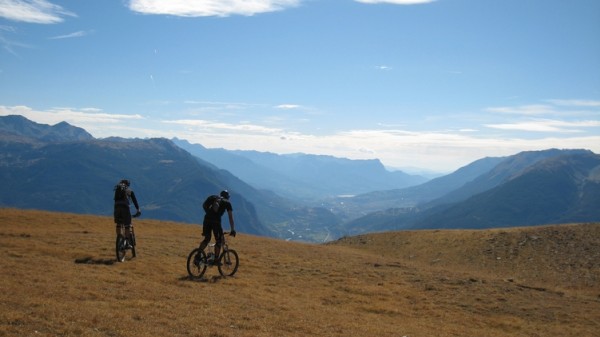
x=232 y=233
x=138 y=213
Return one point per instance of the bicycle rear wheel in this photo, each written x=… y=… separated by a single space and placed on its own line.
x=229 y=262
x=120 y=248
x=196 y=263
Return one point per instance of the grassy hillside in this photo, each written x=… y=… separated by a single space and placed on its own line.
x=59 y=279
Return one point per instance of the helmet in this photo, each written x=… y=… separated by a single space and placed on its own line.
x=125 y=182
x=224 y=194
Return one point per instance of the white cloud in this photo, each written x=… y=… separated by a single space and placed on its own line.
x=527 y=110
x=560 y=116
x=553 y=107
x=197 y=8
x=80 y=33
x=218 y=127
x=395 y=146
x=91 y=119
x=439 y=151
x=546 y=125
x=33 y=11
x=10 y=45
x=575 y=102
x=396 y=2
x=7 y=28
x=287 y=106
x=224 y=105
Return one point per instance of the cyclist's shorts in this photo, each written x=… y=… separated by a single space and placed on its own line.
x=209 y=228
x=122 y=215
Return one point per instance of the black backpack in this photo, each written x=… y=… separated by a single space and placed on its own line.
x=212 y=204
x=120 y=192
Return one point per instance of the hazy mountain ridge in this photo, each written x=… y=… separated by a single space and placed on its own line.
x=544 y=187
x=507 y=169
x=410 y=197
x=303 y=176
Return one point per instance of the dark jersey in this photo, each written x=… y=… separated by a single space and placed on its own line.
x=124 y=201
x=212 y=215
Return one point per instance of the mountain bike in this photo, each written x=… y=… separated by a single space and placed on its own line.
x=123 y=243
x=227 y=262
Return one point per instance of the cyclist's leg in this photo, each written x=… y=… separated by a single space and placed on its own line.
x=118 y=220
x=206 y=233
x=128 y=231
x=126 y=215
x=218 y=230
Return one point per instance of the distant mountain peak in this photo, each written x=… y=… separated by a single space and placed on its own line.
x=17 y=125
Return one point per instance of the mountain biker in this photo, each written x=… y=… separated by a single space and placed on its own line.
x=215 y=206
x=122 y=214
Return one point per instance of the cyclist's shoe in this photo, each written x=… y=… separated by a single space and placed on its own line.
x=210 y=259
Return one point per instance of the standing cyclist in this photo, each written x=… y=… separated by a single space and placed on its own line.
x=122 y=213
x=215 y=206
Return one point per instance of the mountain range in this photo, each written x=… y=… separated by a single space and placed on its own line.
x=297 y=196
x=304 y=176
x=76 y=173
x=529 y=188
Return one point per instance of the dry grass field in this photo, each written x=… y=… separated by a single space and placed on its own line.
x=59 y=278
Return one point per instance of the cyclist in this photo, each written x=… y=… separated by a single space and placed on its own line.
x=214 y=207
x=122 y=214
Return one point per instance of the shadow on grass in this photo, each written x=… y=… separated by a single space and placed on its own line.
x=91 y=260
x=212 y=279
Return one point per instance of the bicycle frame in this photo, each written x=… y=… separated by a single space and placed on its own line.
x=131 y=232
x=198 y=260
x=124 y=242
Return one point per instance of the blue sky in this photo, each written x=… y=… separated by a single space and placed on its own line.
x=428 y=84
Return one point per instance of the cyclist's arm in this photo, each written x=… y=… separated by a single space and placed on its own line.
x=231 y=222
x=135 y=202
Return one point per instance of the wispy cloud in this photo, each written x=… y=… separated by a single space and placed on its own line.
x=84 y=117
x=524 y=110
x=395 y=145
x=33 y=11
x=10 y=45
x=80 y=33
x=557 y=116
x=547 y=125
x=7 y=28
x=220 y=108
x=551 y=107
x=396 y=2
x=575 y=102
x=197 y=8
x=220 y=127
x=288 y=106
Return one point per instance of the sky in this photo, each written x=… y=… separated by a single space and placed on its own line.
x=433 y=85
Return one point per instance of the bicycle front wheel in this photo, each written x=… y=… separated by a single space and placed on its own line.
x=196 y=263
x=229 y=262
x=133 y=243
x=120 y=248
